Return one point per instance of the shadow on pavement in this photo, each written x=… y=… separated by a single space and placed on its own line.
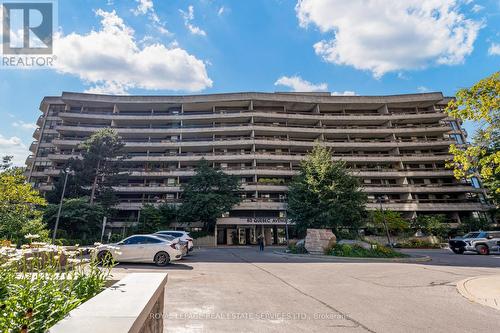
x=137 y=266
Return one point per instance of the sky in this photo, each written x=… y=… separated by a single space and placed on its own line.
x=168 y=47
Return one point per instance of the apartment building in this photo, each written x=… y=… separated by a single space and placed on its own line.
x=397 y=145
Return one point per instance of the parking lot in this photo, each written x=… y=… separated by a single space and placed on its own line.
x=241 y=290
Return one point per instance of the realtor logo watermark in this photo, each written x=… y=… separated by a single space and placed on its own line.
x=28 y=33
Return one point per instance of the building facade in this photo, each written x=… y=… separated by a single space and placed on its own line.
x=397 y=145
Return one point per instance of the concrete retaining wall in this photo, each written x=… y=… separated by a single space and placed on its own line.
x=134 y=304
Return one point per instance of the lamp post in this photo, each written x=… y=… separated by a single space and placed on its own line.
x=286 y=229
x=67 y=171
x=380 y=200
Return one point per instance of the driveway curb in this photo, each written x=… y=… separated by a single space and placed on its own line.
x=484 y=290
x=351 y=259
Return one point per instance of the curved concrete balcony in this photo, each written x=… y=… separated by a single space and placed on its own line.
x=38 y=174
x=138 y=204
x=271 y=142
x=434 y=207
x=379 y=173
x=264 y=157
x=136 y=188
x=245 y=114
x=39 y=121
x=264 y=187
x=409 y=206
x=235 y=172
x=260 y=204
x=383 y=173
x=36 y=134
x=45 y=188
x=33 y=146
x=147 y=189
x=431 y=188
x=52 y=172
x=29 y=159
x=222 y=130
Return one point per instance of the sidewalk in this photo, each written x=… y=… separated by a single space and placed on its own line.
x=484 y=290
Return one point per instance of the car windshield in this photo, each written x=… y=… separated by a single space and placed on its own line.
x=472 y=235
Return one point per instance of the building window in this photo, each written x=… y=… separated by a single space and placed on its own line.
x=458 y=138
x=475 y=182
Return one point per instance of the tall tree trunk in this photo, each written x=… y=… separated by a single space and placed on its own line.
x=94 y=184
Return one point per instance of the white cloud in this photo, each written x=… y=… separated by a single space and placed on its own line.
x=146 y=7
x=344 y=93
x=111 y=60
x=477 y=8
x=494 y=49
x=422 y=89
x=143 y=7
x=108 y=87
x=188 y=18
x=389 y=36
x=296 y=83
x=24 y=125
x=13 y=146
x=221 y=11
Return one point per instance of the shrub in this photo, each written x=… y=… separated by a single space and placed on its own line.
x=199 y=234
x=432 y=225
x=417 y=244
x=37 y=290
x=296 y=247
x=377 y=251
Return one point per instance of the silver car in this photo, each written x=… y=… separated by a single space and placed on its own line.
x=482 y=242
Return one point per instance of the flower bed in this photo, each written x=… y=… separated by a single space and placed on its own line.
x=41 y=283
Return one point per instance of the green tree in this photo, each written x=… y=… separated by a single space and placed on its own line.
x=435 y=225
x=150 y=219
x=20 y=205
x=96 y=172
x=98 y=152
x=208 y=194
x=79 y=219
x=474 y=224
x=481 y=104
x=155 y=218
x=396 y=224
x=325 y=195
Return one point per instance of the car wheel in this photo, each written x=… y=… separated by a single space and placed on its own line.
x=482 y=249
x=458 y=251
x=162 y=258
x=104 y=257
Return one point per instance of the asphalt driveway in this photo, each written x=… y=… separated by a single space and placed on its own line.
x=243 y=290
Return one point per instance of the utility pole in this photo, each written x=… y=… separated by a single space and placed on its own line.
x=67 y=171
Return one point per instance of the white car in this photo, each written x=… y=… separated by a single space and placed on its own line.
x=183 y=235
x=140 y=248
x=182 y=245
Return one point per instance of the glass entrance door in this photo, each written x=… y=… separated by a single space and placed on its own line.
x=242 y=236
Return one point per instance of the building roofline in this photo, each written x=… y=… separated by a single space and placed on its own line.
x=283 y=97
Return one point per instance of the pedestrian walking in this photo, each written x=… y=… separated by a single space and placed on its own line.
x=261 y=242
